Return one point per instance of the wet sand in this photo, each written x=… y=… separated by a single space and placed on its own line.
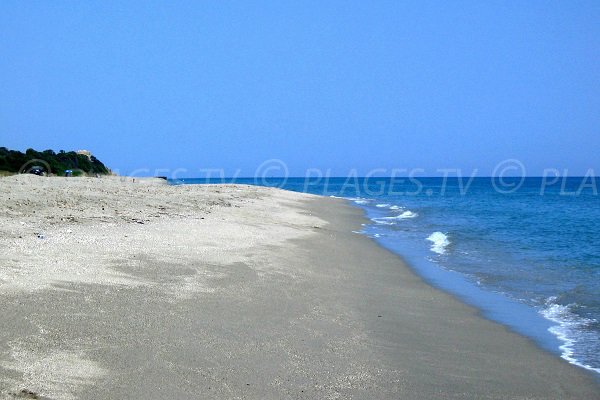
x=114 y=289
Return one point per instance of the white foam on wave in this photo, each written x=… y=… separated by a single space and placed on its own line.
x=356 y=200
x=382 y=221
x=390 y=220
x=566 y=330
x=384 y=205
x=406 y=215
x=395 y=208
x=439 y=242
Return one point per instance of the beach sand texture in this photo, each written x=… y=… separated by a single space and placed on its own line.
x=114 y=289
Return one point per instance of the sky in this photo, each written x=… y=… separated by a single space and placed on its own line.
x=337 y=86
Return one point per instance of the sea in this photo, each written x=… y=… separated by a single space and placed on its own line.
x=524 y=251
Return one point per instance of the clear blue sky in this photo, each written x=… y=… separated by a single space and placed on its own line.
x=321 y=84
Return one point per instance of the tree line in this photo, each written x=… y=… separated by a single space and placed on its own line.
x=14 y=161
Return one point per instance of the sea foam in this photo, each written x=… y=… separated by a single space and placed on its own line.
x=568 y=329
x=406 y=215
x=361 y=201
x=390 y=220
x=439 y=242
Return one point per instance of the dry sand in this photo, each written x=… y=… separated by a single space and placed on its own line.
x=114 y=289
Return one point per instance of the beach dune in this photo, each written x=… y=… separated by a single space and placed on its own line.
x=113 y=289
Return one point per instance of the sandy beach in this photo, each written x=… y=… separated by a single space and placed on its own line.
x=112 y=288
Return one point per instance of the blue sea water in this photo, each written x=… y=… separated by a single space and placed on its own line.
x=523 y=251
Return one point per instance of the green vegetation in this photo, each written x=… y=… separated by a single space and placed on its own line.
x=13 y=161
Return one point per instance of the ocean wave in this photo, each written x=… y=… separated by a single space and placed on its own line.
x=383 y=205
x=382 y=221
x=406 y=215
x=390 y=220
x=359 y=200
x=395 y=207
x=356 y=200
x=569 y=328
x=439 y=242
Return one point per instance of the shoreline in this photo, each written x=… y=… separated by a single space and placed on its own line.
x=534 y=321
x=147 y=290
x=497 y=308
x=529 y=345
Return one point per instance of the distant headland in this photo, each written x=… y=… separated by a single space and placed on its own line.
x=48 y=162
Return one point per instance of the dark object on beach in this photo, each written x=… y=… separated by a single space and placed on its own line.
x=37 y=170
x=26 y=394
x=68 y=173
x=162 y=177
